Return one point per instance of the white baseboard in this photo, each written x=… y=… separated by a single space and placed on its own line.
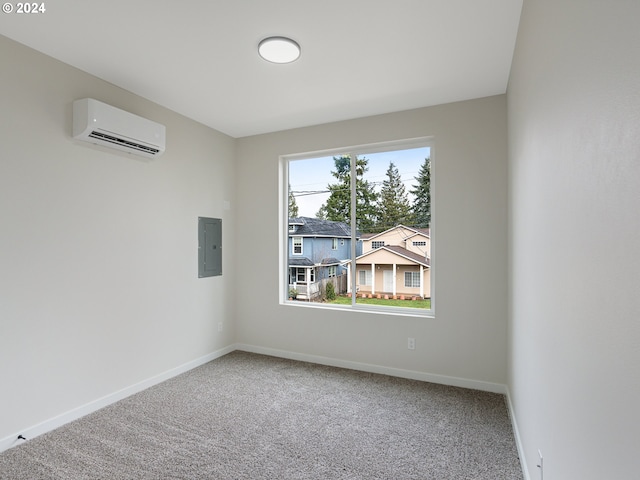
x=58 y=421
x=516 y=434
x=99 y=403
x=366 y=367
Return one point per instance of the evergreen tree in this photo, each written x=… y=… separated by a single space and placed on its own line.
x=321 y=213
x=422 y=192
x=293 y=206
x=394 y=207
x=338 y=205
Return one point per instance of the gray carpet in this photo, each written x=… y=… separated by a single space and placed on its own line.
x=248 y=416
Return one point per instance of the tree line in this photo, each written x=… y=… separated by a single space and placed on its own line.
x=375 y=211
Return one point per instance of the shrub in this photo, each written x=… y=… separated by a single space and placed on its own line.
x=331 y=291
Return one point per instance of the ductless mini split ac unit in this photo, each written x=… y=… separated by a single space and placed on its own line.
x=102 y=124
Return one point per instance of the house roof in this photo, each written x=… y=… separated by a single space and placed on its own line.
x=402 y=252
x=316 y=227
x=300 y=262
x=305 y=262
x=370 y=236
x=424 y=231
x=330 y=261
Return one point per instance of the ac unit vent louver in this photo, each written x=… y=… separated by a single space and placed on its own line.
x=102 y=124
x=123 y=142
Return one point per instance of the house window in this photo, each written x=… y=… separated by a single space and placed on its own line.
x=380 y=191
x=412 y=279
x=364 y=277
x=301 y=275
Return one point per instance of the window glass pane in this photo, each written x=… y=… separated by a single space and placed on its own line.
x=393 y=211
x=324 y=238
x=392 y=219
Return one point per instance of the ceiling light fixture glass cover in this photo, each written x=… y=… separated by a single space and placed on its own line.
x=279 y=50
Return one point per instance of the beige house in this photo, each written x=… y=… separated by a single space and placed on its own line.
x=395 y=262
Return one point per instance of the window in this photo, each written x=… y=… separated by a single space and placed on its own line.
x=412 y=279
x=364 y=277
x=388 y=187
x=301 y=275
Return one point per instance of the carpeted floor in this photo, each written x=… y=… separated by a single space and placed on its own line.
x=248 y=416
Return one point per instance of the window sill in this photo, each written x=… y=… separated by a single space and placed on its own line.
x=392 y=311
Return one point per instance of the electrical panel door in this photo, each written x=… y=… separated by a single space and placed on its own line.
x=209 y=247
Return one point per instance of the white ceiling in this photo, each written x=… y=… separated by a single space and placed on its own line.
x=359 y=57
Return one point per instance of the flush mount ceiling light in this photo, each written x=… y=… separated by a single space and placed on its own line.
x=279 y=49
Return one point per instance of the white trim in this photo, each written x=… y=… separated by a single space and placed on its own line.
x=375 y=147
x=81 y=411
x=516 y=434
x=367 y=367
x=420 y=234
x=313 y=235
x=397 y=227
x=293 y=245
x=355 y=150
x=99 y=403
x=386 y=249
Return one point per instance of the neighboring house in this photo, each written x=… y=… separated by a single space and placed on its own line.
x=318 y=250
x=395 y=262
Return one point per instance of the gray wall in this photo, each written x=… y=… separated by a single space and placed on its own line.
x=98 y=250
x=574 y=234
x=467 y=337
x=98 y=287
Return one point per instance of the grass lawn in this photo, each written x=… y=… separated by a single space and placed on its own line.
x=426 y=304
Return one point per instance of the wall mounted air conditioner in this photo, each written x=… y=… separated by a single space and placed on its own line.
x=102 y=124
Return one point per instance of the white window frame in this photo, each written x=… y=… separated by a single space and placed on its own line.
x=366 y=273
x=377 y=244
x=414 y=276
x=300 y=270
x=293 y=245
x=334 y=243
x=354 y=151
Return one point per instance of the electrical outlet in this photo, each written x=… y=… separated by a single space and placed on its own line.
x=541 y=465
x=411 y=343
x=219 y=326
